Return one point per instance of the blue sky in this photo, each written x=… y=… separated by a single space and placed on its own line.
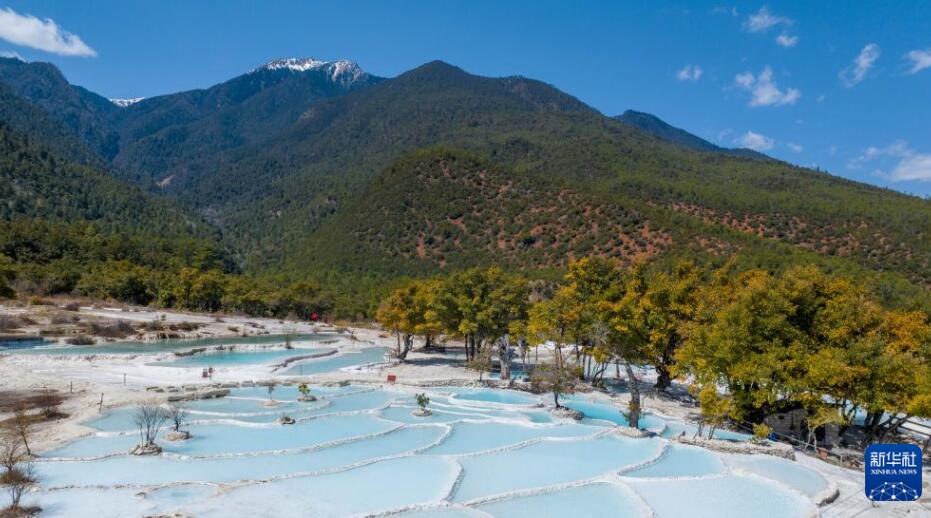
x=842 y=86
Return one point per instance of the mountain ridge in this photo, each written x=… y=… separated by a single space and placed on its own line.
x=665 y=131
x=277 y=157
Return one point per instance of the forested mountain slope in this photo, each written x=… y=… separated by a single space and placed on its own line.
x=440 y=209
x=664 y=131
x=306 y=166
x=163 y=138
x=86 y=113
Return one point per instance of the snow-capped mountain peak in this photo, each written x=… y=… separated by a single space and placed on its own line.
x=122 y=103
x=341 y=70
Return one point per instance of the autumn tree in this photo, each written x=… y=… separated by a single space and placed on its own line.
x=480 y=304
x=803 y=339
x=410 y=311
x=751 y=341
x=655 y=308
x=716 y=408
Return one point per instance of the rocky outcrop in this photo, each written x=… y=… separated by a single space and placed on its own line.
x=747 y=448
x=421 y=412
x=146 y=449
x=634 y=433
x=567 y=413
x=209 y=393
x=286 y=419
x=177 y=436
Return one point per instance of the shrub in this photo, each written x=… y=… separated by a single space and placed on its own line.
x=761 y=431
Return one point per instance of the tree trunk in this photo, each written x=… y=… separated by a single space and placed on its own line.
x=891 y=425
x=633 y=416
x=664 y=378
x=23 y=436
x=398 y=335
x=504 y=358
x=408 y=345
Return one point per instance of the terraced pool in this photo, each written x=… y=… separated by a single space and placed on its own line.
x=162 y=346
x=358 y=450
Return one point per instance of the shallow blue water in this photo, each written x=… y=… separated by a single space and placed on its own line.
x=532 y=466
x=681 y=461
x=161 y=346
x=785 y=471
x=359 y=450
x=590 y=500
x=506 y=397
x=349 y=359
x=21 y=345
x=239 y=357
x=603 y=412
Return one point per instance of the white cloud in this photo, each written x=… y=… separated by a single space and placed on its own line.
x=862 y=64
x=29 y=31
x=690 y=73
x=921 y=59
x=796 y=148
x=755 y=141
x=763 y=20
x=721 y=9
x=764 y=91
x=910 y=165
x=787 y=40
x=916 y=167
x=11 y=54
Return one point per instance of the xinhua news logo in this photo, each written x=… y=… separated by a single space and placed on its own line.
x=893 y=472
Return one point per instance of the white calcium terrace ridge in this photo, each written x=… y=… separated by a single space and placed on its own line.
x=612 y=477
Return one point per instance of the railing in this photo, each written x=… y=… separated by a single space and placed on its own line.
x=806 y=448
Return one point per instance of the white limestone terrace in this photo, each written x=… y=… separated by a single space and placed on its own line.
x=122 y=103
x=341 y=70
x=448 y=471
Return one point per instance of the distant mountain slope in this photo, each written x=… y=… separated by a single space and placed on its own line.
x=26 y=118
x=664 y=131
x=164 y=137
x=86 y=113
x=36 y=184
x=311 y=169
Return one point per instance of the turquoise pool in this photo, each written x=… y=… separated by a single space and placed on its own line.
x=349 y=359
x=240 y=357
x=161 y=346
x=490 y=453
